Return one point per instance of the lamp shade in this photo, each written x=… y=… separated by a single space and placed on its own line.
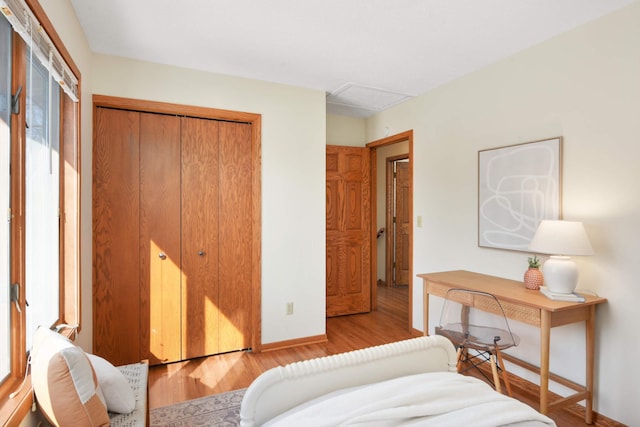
x=557 y=237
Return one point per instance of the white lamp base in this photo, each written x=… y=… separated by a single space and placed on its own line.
x=560 y=274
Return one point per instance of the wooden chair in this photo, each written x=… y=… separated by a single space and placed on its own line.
x=475 y=320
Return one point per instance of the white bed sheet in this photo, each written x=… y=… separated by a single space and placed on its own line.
x=431 y=399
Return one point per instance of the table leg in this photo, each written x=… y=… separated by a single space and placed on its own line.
x=545 y=339
x=590 y=331
x=425 y=311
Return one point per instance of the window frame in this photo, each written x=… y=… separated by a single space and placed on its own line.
x=14 y=410
x=5 y=140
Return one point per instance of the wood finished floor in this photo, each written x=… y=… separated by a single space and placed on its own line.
x=205 y=376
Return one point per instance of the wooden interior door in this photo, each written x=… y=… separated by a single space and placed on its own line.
x=116 y=260
x=160 y=257
x=200 y=237
x=348 y=234
x=236 y=231
x=402 y=223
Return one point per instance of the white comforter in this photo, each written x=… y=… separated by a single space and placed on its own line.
x=433 y=399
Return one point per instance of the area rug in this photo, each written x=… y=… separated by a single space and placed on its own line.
x=217 y=410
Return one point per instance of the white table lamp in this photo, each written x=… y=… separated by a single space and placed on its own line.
x=560 y=239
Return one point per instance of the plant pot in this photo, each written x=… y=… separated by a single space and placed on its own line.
x=533 y=278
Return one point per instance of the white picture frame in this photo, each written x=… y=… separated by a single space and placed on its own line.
x=518 y=186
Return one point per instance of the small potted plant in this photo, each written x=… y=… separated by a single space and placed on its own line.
x=533 y=278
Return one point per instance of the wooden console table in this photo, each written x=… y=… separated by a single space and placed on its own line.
x=533 y=308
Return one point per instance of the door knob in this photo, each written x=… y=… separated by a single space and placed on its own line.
x=162 y=255
x=201 y=253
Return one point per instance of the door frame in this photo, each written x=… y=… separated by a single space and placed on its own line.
x=393 y=139
x=255 y=120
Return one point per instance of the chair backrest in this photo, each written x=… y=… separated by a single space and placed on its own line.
x=476 y=316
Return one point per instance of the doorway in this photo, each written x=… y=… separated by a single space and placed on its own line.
x=393 y=241
x=397 y=220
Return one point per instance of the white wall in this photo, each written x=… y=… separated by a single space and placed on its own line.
x=584 y=86
x=346 y=131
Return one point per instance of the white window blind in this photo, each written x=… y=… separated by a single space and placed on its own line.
x=25 y=23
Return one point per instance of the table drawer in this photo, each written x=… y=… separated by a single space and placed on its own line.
x=529 y=315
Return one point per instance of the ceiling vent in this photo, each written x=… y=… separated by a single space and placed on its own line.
x=362 y=101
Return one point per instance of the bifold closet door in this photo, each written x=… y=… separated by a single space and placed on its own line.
x=116 y=258
x=160 y=256
x=235 y=234
x=173 y=235
x=200 y=279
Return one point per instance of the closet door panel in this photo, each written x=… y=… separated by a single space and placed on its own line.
x=235 y=236
x=116 y=327
x=160 y=257
x=200 y=281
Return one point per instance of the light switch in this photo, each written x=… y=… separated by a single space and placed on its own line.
x=419 y=221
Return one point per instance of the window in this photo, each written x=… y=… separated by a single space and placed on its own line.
x=42 y=180
x=5 y=197
x=39 y=176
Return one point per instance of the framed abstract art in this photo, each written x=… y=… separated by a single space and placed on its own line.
x=518 y=186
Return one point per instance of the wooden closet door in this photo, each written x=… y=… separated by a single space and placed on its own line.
x=200 y=237
x=116 y=261
x=160 y=257
x=173 y=237
x=235 y=234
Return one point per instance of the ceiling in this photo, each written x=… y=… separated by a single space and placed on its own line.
x=367 y=55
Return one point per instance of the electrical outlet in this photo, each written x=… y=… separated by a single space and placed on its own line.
x=289 y=308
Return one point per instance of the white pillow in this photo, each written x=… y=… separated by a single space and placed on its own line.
x=115 y=387
x=64 y=382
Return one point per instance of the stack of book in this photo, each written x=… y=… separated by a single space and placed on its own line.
x=572 y=297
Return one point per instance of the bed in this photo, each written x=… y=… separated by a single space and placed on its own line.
x=412 y=382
